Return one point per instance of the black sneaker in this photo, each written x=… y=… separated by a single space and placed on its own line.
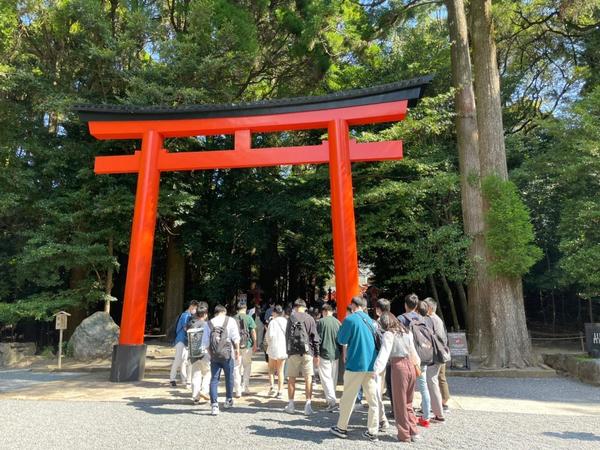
x=371 y=437
x=338 y=432
x=173 y=383
x=438 y=419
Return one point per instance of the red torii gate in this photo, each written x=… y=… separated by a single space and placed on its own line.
x=335 y=112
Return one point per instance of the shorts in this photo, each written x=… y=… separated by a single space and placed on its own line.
x=299 y=365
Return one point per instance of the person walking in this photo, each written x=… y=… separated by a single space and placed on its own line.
x=181 y=360
x=303 y=342
x=411 y=303
x=382 y=306
x=248 y=346
x=329 y=354
x=357 y=333
x=222 y=338
x=434 y=370
x=443 y=382
x=277 y=350
x=398 y=348
x=198 y=355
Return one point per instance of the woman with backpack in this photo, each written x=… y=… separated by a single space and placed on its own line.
x=276 y=349
x=398 y=347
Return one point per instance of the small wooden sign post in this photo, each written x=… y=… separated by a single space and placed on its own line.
x=61 y=325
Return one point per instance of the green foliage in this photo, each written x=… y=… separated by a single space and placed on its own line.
x=509 y=233
x=273 y=225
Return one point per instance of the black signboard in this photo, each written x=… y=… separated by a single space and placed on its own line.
x=592 y=339
x=457 y=342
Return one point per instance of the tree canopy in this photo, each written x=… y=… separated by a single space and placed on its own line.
x=63 y=230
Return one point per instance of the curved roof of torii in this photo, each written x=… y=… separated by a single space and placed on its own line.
x=411 y=90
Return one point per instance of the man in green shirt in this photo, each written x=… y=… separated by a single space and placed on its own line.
x=328 y=328
x=248 y=342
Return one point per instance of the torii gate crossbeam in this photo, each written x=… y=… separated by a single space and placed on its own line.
x=336 y=113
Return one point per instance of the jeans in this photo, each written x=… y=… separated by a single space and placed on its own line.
x=424 y=391
x=215 y=375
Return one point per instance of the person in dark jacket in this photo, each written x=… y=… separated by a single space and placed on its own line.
x=303 y=343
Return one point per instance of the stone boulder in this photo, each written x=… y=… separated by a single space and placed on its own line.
x=94 y=337
x=12 y=353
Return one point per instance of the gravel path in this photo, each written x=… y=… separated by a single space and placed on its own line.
x=173 y=423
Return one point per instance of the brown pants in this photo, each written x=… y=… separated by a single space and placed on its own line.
x=444 y=385
x=403 y=382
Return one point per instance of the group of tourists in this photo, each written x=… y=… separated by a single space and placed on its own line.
x=379 y=354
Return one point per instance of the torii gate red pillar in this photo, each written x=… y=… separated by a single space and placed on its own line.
x=335 y=113
x=345 y=256
x=142 y=242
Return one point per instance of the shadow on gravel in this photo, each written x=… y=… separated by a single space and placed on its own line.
x=579 y=436
x=161 y=406
x=294 y=433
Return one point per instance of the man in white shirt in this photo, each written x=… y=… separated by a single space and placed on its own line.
x=222 y=339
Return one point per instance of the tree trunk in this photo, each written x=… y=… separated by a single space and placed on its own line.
x=468 y=159
x=451 y=302
x=462 y=297
x=109 y=277
x=434 y=292
x=175 y=282
x=504 y=331
x=78 y=312
x=591 y=309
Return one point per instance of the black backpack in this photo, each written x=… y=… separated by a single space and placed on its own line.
x=195 y=349
x=297 y=339
x=423 y=337
x=220 y=346
x=441 y=351
x=244 y=331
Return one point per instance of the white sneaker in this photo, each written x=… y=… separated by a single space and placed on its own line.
x=308 y=411
x=214 y=410
x=290 y=408
x=228 y=403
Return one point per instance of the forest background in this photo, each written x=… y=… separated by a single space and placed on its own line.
x=64 y=232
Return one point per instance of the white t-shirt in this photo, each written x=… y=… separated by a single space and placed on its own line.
x=233 y=331
x=276 y=344
x=394 y=345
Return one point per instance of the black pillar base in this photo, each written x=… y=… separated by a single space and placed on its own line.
x=128 y=363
